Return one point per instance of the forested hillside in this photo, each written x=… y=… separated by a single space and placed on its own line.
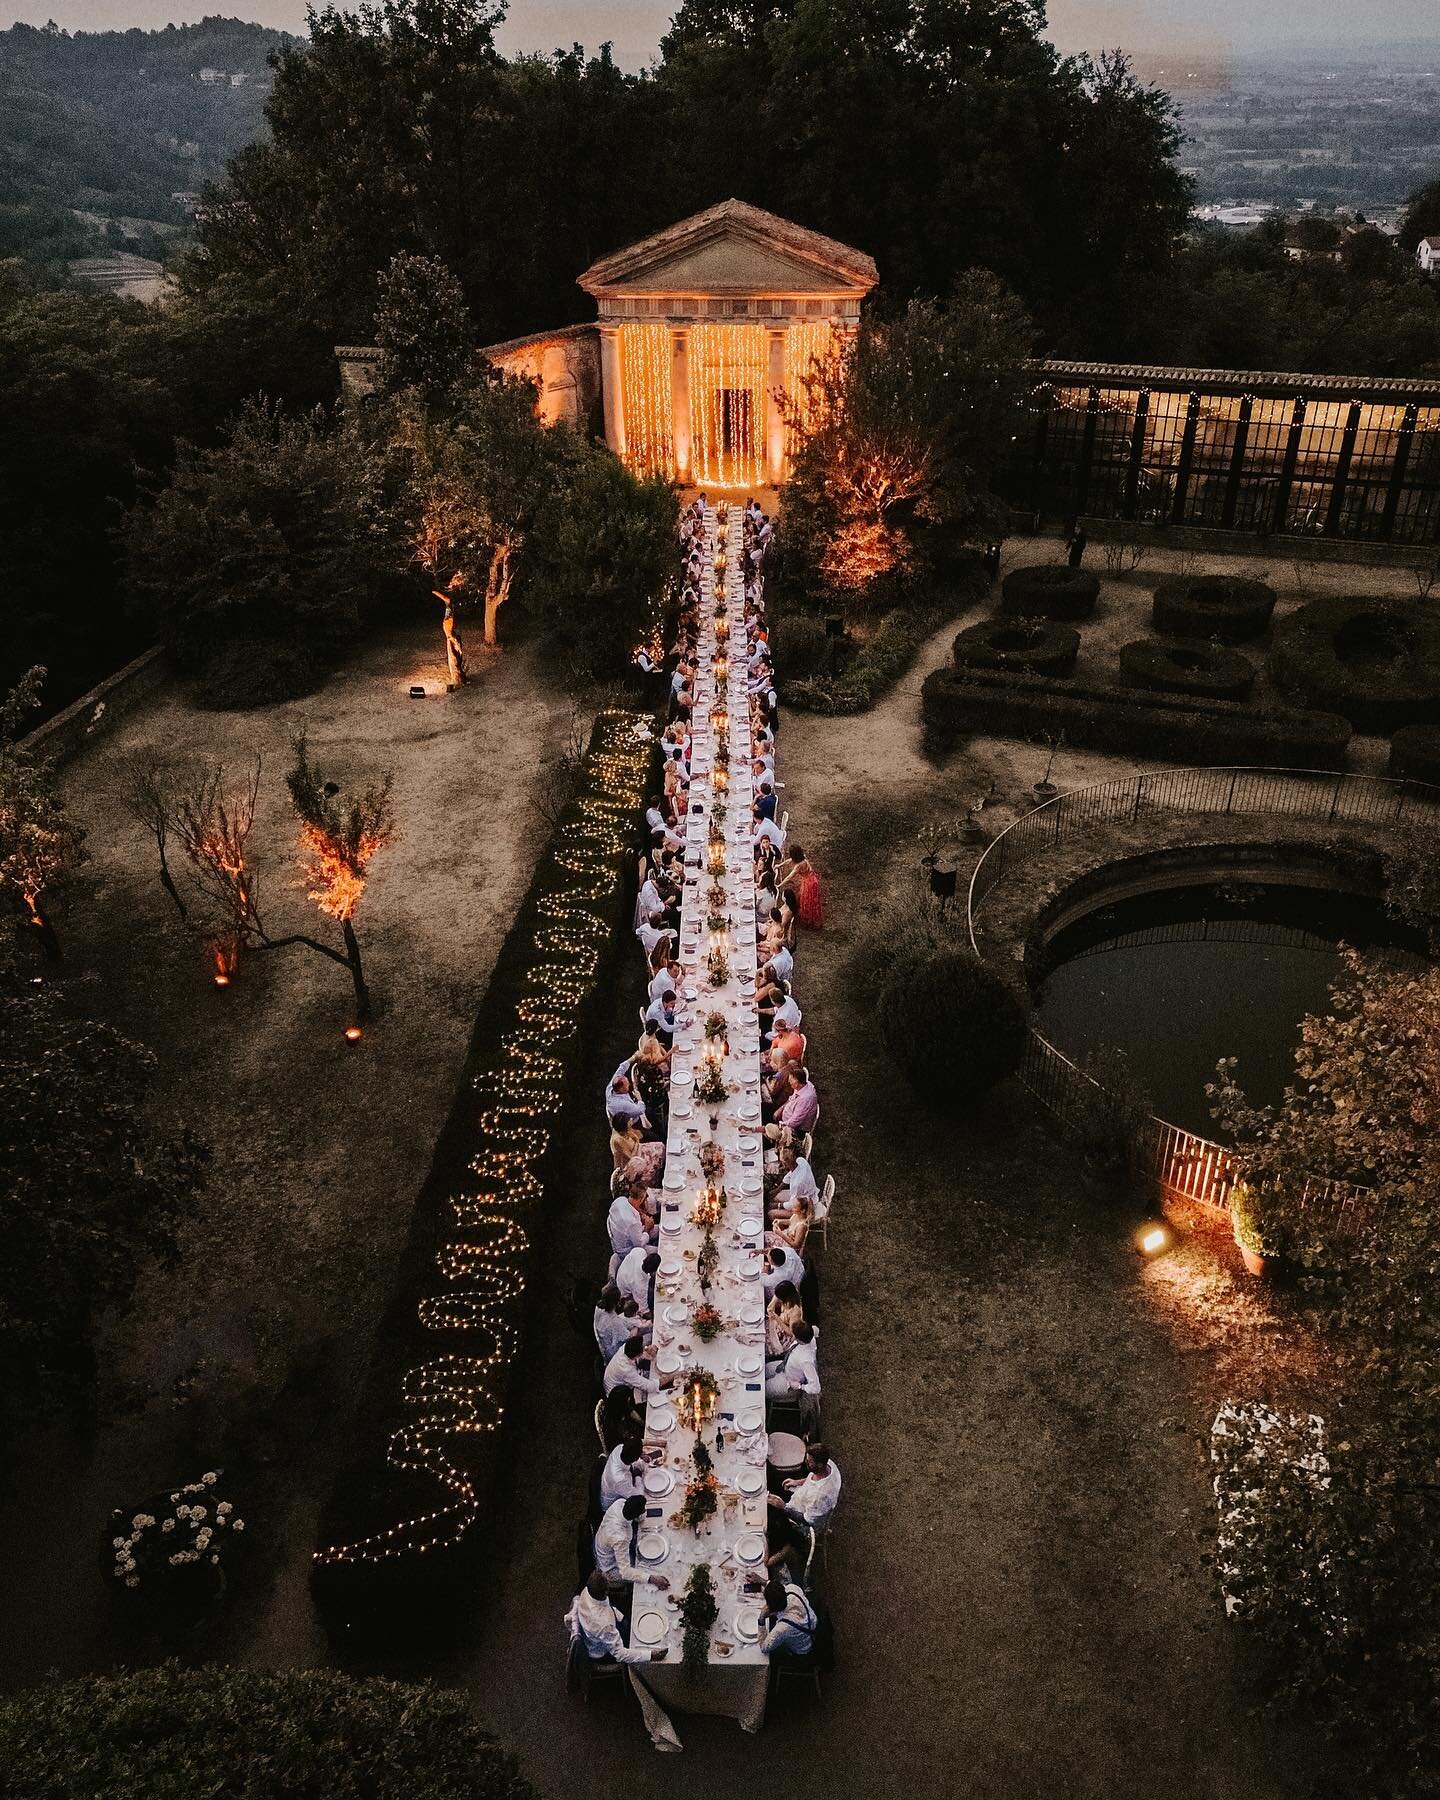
x=113 y=123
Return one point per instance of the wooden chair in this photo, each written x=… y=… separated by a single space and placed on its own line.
x=785 y=823
x=600 y=1424
x=823 y=1211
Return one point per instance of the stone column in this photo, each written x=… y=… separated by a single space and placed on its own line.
x=612 y=388
x=774 y=417
x=680 y=395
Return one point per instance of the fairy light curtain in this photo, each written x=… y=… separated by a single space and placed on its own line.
x=807 y=342
x=648 y=386
x=728 y=368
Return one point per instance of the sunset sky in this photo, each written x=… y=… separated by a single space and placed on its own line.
x=634 y=26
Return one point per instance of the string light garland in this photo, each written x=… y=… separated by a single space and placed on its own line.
x=809 y=345
x=647 y=382
x=479 y=1267
x=728 y=373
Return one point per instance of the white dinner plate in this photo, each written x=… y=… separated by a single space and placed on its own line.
x=751 y=1227
x=652 y=1547
x=658 y=1482
x=751 y=1313
x=681 y=1109
x=749 y=1184
x=650 y=1628
x=750 y=1269
x=750 y=1481
x=674 y=1179
x=750 y=1548
x=681 y=1078
x=677 y=1315
x=750 y=1420
x=670 y=1267
x=747 y=1626
x=749 y=1362
x=660 y=1419
x=668 y=1363
x=750 y=1109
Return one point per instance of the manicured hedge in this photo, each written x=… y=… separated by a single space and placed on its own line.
x=1190 y=666
x=245 y=1734
x=1225 y=607
x=962 y=702
x=1049 y=591
x=1375 y=661
x=1415 y=753
x=1026 y=646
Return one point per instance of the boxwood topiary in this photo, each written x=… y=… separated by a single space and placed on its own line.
x=1033 y=646
x=1190 y=666
x=953 y=1027
x=1225 y=607
x=958 y=703
x=1415 y=753
x=1376 y=661
x=1049 y=591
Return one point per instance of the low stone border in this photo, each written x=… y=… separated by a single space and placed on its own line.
x=96 y=711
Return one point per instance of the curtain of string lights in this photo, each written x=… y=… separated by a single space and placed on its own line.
x=456 y=1396
x=648 y=385
x=807 y=342
x=728 y=368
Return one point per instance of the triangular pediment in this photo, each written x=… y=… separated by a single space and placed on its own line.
x=733 y=249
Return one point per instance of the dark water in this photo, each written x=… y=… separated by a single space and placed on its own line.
x=1180 y=979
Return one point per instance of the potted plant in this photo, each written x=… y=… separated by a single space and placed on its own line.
x=1257 y=1230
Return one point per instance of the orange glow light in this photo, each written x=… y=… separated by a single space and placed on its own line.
x=354 y=1033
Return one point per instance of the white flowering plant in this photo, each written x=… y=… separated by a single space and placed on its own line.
x=193 y=1529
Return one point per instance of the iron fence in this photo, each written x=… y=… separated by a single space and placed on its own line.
x=1183 y=1164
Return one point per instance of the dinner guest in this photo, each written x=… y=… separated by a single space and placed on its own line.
x=782 y=1315
x=811 y=1498
x=782 y=1264
x=630 y=1367
x=625 y=1140
x=624 y=1471
x=636 y=1275
x=617 y=1541
x=612 y=1325
x=629 y=1222
x=799 y=875
x=788 y=1623
x=801 y=1110
x=792 y=1226
x=796 y=1372
x=595 y=1626
x=620 y=1103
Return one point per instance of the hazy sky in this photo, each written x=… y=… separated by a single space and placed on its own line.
x=634 y=26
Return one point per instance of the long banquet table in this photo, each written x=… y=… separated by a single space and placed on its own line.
x=732 y=1540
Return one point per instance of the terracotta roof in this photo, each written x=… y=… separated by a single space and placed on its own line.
x=733 y=217
x=1433 y=242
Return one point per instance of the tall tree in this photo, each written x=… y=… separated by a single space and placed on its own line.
x=422 y=326
x=39 y=844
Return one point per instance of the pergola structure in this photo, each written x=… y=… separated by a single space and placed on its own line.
x=704 y=326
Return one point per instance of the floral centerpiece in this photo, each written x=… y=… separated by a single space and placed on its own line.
x=706 y=1320
x=698 y=1612
x=709 y=1207
x=711 y=1088
x=717 y=921
x=701 y=1500
x=715 y=894
x=182 y=1542
x=717 y=855
x=707 y=1260
x=722 y=747
x=697 y=1395
x=718 y=966
x=712 y=1161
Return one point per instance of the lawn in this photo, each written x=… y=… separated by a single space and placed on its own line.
x=319 y=1145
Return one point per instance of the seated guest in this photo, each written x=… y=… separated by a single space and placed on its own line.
x=788 y=1623
x=647 y=1165
x=620 y=1103
x=652 y=1086
x=647 y=901
x=624 y=1471
x=811 y=1498
x=768 y=832
x=666 y=977
x=782 y=1315
x=595 y=1625
x=782 y=1264
x=661 y=1014
x=635 y=1277
x=795 y=1372
x=797 y=1177
x=630 y=1367
x=787 y=1015
x=764 y=805
x=625 y=1140
x=612 y=1326
x=779 y=963
x=628 y=1222
x=801 y=1110
x=792 y=1226
x=653 y=932
x=616 y=1544
x=790 y=1044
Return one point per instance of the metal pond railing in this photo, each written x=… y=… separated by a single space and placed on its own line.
x=1185 y=1165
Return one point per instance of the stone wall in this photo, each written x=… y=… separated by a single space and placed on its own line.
x=93 y=713
x=563 y=364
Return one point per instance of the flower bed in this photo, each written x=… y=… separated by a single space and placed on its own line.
x=1189 y=667
x=1227 y=608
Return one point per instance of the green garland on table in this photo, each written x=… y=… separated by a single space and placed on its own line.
x=698 y=1612
x=707 y=1260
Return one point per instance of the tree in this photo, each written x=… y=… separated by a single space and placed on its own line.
x=481 y=468
x=338 y=842
x=1351 y=1567
x=235 y=1734
x=953 y=1028
x=259 y=560
x=149 y=794
x=38 y=844
x=92 y=1192
x=604 y=555
x=422 y=326
x=1421 y=218
x=902 y=431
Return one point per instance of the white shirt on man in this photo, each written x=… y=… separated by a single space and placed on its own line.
x=631 y=1279
x=816 y=1497
x=612 y=1547
x=800 y=1183
x=651 y=935
x=597 y=1625
x=619 y=1479
x=787 y=1014
x=767 y=831
x=621 y=1372
x=612 y=1329
x=628 y=1228
x=783 y=963
x=798 y=1372
x=791 y=1269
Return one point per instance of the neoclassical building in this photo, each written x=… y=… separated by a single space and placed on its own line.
x=701 y=329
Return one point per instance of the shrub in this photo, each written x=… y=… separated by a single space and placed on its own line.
x=1224 y=607
x=1375 y=661
x=954 y=1028
x=312 y=1735
x=257 y=673
x=1049 y=591
x=1027 y=646
x=961 y=702
x=800 y=647
x=1189 y=667
x=1415 y=753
